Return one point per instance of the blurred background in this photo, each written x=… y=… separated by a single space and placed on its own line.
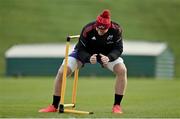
x=50 y=21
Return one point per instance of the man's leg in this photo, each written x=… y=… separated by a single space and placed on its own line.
x=120 y=85
x=58 y=80
x=72 y=65
x=57 y=89
x=119 y=68
x=121 y=79
x=57 y=85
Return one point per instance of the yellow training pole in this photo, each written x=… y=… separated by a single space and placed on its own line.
x=75 y=86
x=74 y=36
x=76 y=111
x=63 y=85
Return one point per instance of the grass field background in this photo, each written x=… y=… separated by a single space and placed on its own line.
x=23 y=97
x=50 y=21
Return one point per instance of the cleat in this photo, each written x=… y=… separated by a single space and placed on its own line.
x=50 y=108
x=117 y=109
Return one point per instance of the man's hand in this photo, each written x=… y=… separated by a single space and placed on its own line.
x=104 y=59
x=93 y=59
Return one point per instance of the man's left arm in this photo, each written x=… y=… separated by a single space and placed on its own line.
x=118 y=46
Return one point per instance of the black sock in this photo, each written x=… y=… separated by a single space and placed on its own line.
x=117 y=99
x=56 y=100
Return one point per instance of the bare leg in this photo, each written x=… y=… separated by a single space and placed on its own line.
x=58 y=79
x=120 y=87
x=121 y=79
x=57 y=87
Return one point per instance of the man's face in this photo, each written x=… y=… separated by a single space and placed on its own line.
x=101 y=31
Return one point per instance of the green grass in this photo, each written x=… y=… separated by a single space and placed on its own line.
x=42 y=21
x=23 y=97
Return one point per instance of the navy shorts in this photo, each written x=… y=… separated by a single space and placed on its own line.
x=75 y=55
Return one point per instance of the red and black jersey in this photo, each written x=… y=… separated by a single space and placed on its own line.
x=109 y=44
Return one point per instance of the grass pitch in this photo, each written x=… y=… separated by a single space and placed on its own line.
x=23 y=97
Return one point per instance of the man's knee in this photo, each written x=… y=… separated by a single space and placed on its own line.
x=71 y=66
x=61 y=70
x=120 y=69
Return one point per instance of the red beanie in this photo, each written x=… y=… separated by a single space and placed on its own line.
x=103 y=21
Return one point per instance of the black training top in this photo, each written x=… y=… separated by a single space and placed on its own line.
x=110 y=44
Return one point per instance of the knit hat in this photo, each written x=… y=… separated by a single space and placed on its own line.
x=103 y=21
